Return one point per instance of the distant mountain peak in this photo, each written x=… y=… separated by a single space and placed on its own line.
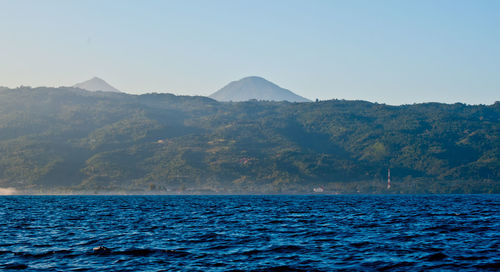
x=255 y=87
x=254 y=78
x=96 y=84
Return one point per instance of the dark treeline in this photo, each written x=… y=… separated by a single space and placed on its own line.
x=68 y=139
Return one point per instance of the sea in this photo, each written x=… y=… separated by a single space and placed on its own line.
x=250 y=233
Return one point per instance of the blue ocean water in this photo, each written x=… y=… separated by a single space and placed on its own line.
x=250 y=233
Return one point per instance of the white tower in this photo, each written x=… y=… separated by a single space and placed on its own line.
x=388 y=178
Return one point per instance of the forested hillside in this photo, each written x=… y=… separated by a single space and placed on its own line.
x=70 y=140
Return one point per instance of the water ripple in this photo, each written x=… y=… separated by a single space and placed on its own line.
x=250 y=233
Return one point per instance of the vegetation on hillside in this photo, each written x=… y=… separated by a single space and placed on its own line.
x=68 y=139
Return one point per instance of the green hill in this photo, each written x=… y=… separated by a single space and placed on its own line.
x=70 y=140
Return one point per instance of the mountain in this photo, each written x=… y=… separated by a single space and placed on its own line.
x=96 y=84
x=71 y=140
x=258 y=88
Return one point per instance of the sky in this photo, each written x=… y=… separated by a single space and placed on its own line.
x=393 y=52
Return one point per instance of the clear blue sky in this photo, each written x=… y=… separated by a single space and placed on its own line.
x=392 y=52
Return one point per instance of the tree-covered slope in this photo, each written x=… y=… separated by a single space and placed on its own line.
x=70 y=139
